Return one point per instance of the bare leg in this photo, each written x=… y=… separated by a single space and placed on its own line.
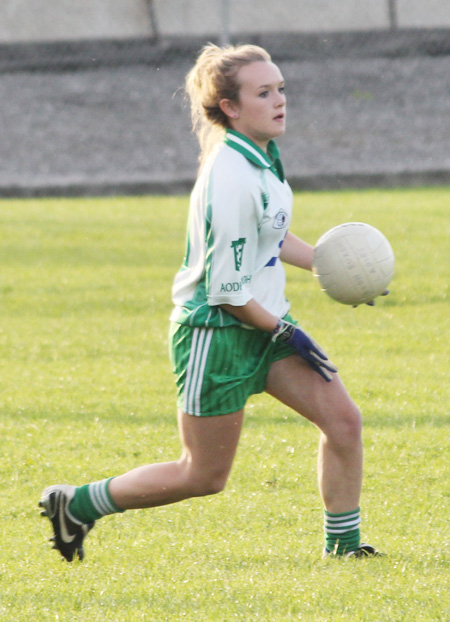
x=330 y=408
x=209 y=446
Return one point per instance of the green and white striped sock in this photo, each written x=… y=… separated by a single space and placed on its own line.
x=342 y=531
x=92 y=501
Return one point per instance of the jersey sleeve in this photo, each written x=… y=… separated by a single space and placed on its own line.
x=232 y=238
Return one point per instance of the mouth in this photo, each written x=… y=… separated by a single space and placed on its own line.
x=280 y=117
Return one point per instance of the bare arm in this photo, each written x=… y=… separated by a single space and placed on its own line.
x=253 y=314
x=297 y=252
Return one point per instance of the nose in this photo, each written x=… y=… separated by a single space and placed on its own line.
x=280 y=99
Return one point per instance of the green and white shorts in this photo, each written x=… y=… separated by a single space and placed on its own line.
x=218 y=369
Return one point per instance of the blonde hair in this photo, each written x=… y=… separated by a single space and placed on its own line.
x=213 y=78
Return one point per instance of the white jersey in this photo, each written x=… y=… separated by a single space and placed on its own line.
x=239 y=215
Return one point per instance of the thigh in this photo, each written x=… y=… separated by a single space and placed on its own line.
x=210 y=443
x=327 y=404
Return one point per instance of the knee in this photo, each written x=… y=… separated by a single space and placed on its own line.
x=346 y=431
x=209 y=484
x=202 y=484
x=353 y=423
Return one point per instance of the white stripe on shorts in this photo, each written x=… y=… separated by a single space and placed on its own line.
x=201 y=340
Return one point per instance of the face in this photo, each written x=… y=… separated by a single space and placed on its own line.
x=260 y=113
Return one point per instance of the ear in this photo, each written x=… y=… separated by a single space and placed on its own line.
x=229 y=108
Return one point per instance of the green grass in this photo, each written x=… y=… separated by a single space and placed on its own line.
x=87 y=392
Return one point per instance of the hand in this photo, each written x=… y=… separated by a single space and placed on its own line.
x=305 y=347
x=371 y=303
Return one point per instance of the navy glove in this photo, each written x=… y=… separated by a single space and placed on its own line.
x=305 y=347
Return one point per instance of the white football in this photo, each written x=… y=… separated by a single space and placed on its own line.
x=354 y=263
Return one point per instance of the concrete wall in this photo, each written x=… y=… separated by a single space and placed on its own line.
x=253 y=16
x=54 y=20
x=424 y=13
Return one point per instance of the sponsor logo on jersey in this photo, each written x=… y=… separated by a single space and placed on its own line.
x=280 y=220
x=236 y=286
x=238 y=249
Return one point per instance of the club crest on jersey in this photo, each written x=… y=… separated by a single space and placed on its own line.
x=280 y=220
x=238 y=249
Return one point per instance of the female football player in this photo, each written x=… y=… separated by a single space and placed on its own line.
x=231 y=333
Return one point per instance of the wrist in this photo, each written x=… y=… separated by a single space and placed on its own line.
x=284 y=331
x=279 y=329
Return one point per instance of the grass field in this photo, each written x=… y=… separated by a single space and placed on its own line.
x=87 y=392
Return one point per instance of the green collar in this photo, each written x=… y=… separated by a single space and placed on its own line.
x=255 y=154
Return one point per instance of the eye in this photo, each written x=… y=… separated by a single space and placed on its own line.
x=263 y=94
x=282 y=90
